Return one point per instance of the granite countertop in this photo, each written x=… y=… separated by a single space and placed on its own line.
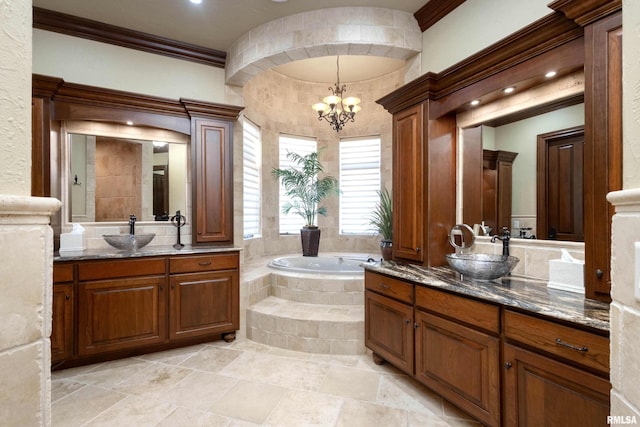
x=109 y=253
x=516 y=292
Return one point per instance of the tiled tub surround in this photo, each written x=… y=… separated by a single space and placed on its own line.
x=512 y=291
x=316 y=313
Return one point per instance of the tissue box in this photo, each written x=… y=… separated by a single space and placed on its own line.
x=566 y=275
x=71 y=242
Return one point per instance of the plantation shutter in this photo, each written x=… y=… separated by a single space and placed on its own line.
x=291 y=223
x=252 y=158
x=359 y=182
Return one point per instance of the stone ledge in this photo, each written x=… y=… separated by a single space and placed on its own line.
x=26 y=209
x=625 y=200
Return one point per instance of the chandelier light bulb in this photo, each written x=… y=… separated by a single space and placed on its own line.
x=332 y=100
x=320 y=107
x=352 y=100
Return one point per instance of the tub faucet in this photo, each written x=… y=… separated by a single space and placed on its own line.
x=506 y=236
x=132 y=224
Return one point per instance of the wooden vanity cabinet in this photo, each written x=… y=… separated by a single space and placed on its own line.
x=408 y=242
x=121 y=305
x=62 y=322
x=137 y=305
x=554 y=374
x=457 y=351
x=423 y=185
x=503 y=367
x=204 y=296
x=212 y=146
x=389 y=320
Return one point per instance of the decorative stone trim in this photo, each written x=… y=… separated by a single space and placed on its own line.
x=625 y=200
x=335 y=31
x=27 y=210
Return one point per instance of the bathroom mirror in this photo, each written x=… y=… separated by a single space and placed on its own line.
x=111 y=176
x=495 y=132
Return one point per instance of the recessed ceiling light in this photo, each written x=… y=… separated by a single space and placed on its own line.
x=196 y=1
x=129 y=122
x=279 y=1
x=509 y=89
x=550 y=74
x=475 y=102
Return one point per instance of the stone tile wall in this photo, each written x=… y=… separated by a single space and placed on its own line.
x=323 y=32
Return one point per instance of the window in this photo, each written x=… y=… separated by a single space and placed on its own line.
x=291 y=223
x=252 y=158
x=359 y=183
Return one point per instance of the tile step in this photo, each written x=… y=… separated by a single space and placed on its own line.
x=314 y=328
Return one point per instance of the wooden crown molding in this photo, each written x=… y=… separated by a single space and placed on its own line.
x=73 y=101
x=586 y=11
x=533 y=40
x=211 y=110
x=44 y=19
x=540 y=37
x=433 y=11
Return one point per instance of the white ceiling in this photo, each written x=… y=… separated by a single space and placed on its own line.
x=216 y=24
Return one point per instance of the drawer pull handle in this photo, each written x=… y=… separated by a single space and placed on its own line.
x=383 y=286
x=508 y=365
x=204 y=263
x=571 y=346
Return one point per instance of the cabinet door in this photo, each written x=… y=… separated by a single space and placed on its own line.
x=540 y=391
x=408 y=184
x=602 y=148
x=120 y=314
x=213 y=181
x=389 y=330
x=461 y=364
x=62 y=324
x=204 y=303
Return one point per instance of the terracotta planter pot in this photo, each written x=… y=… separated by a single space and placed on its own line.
x=386 y=249
x=310 y=237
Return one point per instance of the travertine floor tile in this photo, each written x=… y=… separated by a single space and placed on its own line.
x=353 y=383
x=361 y=414
x=153 y=381
x=199 y=390
x=62 y=387
x=303 y=408
x=255 y=385
x=211 y=359
x=281 y=371
x=133 y=411
x=183 y=417
x=248 y=401
x=83 y=405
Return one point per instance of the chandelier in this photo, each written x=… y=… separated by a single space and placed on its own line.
x=334 y=108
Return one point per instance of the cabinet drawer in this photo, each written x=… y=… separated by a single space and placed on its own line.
x=120 y=268
x=573 y=344
x=393 y=288
x=194 y=264
x=478 y=314
x=62 y=273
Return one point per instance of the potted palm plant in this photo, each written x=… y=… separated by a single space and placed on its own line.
x=306 y=190
x=382 y=220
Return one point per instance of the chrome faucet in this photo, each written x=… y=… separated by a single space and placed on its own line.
x=506 y=236
x=132 y=224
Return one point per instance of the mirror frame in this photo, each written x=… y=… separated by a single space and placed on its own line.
x=56 y=101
